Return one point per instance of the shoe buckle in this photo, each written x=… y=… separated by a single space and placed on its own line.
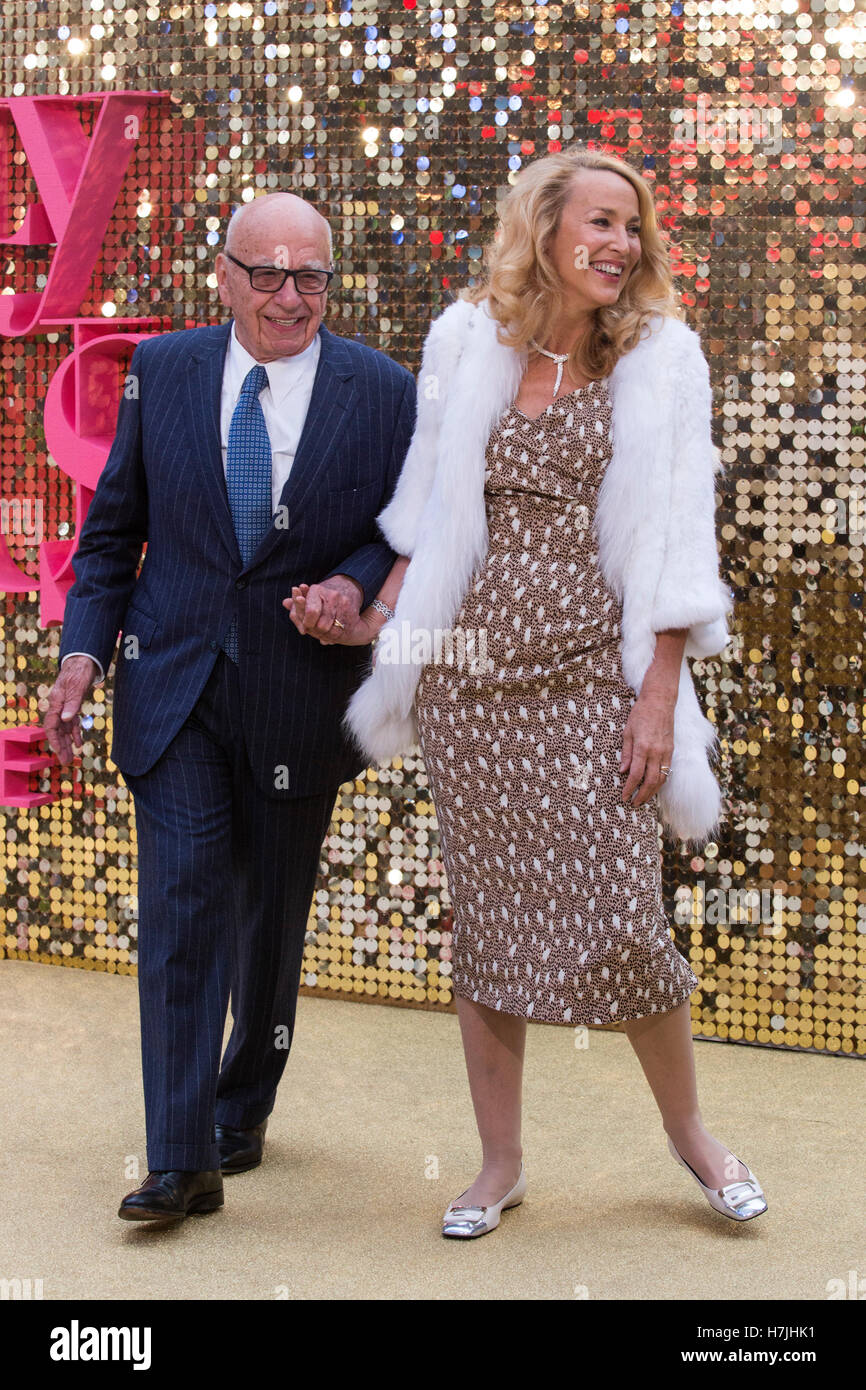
x=477 y=1212
x=738 y=1193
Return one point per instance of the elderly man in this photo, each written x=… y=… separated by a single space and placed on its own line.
x=253 y=458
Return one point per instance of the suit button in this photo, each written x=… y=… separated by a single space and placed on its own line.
x=240 y=583
x=214 y=646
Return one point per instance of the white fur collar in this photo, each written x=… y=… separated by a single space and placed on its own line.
x=654 y=524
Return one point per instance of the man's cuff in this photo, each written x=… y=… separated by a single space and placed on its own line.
x=369 y=567
x=92 y=658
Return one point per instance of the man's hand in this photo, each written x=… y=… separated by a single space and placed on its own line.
x=61 y=724
x=327 y=610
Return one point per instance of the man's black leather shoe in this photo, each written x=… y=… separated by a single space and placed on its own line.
x=240 y=1149
x=169 y=1196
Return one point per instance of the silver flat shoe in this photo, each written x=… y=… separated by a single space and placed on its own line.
x=469 y=1222
x=741 y=1200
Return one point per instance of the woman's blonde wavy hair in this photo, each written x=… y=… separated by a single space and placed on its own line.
x=522 y=286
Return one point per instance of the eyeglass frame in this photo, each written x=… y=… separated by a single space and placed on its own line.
x=286 y=273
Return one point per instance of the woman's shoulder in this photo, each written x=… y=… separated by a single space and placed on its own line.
x=453 y=319
x=670 y=331
x=666 y=344
x=447 y=334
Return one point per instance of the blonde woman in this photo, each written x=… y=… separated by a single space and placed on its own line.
x=556 y=508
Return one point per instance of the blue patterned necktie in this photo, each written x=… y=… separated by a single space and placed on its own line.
x=248 y=478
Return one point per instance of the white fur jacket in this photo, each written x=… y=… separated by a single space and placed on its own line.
x=655 y=529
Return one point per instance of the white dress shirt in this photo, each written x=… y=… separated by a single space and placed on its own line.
x=284 y=401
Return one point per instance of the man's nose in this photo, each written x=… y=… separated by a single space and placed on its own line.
x=288 y=297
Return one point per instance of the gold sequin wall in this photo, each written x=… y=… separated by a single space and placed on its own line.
x=402 y=121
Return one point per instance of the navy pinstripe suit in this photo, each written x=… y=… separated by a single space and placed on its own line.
x=234 y=769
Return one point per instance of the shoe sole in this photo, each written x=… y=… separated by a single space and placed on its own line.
x=199 y=1206
x=739 y=1219
x=229 y=1171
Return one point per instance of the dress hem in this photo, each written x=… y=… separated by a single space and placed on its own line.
x=577 y=1022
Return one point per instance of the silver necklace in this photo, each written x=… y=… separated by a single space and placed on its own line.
x=560 y=358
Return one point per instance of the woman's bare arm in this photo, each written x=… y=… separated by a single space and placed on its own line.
x=368 y=624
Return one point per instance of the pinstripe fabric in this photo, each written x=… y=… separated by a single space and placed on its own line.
x=164 y=483
x=225 y=882
x=234 y=768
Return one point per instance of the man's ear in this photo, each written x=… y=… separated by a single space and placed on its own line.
x=222 y=283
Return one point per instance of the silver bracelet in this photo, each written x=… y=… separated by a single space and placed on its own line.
x=383 y=608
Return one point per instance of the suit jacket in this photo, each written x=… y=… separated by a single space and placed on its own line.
x=164 y=483
x=655 y=525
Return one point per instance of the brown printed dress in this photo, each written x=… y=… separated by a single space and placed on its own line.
x=554 y=880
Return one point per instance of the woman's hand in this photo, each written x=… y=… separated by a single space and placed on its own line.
x=648 y=743
x=357 y=632
x=648 y=737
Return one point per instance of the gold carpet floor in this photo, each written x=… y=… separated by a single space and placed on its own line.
x=373 y=1134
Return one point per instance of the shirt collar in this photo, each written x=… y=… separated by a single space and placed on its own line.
x=284 y=373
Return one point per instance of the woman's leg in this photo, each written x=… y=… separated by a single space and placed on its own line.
x=493 y=1045
x=663 y=1043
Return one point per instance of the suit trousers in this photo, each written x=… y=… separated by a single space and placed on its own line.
x=225 y=880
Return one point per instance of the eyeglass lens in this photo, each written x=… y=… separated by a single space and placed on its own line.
x=306 y=281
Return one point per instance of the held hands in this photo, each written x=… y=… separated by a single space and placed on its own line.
x=62 y=727
x=331 y=612
x=648 y=743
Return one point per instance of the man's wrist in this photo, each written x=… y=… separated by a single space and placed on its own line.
x=99 y=673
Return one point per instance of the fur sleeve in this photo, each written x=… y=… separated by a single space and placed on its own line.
x=690 y=591
x=444 y=343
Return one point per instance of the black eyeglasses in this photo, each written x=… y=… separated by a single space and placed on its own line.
x=270 y=278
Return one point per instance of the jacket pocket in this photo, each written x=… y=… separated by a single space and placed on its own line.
x=140 y=625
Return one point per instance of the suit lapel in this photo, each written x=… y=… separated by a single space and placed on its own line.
x=333 y=397
x=204 y=391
